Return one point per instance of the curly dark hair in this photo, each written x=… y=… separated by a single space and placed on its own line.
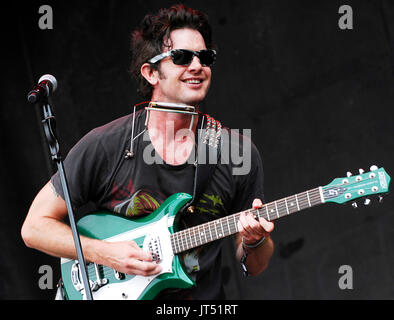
x=153 y=34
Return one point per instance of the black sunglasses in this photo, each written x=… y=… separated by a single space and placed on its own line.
x=184 y=57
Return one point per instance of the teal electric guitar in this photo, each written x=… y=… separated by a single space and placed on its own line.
x=158 y=233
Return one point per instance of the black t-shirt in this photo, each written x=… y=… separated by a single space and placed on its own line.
x=98 y=172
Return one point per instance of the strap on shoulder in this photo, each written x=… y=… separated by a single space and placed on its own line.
x=208 y=142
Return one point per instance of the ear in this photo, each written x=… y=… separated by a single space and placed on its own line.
x=150 y=74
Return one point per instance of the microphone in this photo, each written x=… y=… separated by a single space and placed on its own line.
x=46 y=85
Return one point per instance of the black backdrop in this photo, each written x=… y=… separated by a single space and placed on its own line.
x=319 y=101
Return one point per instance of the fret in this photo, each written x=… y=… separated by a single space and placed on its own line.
x=185 y=237
x=199 y=233
x=281 y=207
x=205 y=235
x=271 y=209
x=221 y=224
x=303 y=200
x=256 y=214
x=178 y=240
x=189 y=236
x=216 y=225
x=287 y=208
x=309 y=201
x=175 y=243
x=298 y=206
x=182 y=242
x=210 y=232
x=292 y=203
x=216 y=231
x=228 y=226
x=321 y=195
x=197 y=236
x=317 y=197
x=194 y=236
x=266 y=210
x=277 y=212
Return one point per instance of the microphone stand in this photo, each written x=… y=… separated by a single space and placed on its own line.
x=49 y=124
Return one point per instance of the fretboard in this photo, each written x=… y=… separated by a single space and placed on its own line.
x=220 y=228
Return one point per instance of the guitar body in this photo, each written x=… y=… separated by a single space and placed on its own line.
x=152 y=233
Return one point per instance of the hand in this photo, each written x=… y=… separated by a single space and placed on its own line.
x=127 y=257
x=252 y=230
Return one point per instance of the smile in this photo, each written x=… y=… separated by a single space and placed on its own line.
x=193 y=81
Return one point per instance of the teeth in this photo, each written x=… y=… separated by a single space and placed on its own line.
x=193 y=81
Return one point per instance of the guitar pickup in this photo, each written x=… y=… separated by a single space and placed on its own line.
x=155 y=249
x=155 y=257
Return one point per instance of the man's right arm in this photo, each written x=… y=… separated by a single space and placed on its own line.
x=44 y=229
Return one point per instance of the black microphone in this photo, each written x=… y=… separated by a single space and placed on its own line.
x=46 y=85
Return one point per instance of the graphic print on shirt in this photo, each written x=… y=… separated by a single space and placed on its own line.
x=211 y=204
x=207 y=204
x=130 y=203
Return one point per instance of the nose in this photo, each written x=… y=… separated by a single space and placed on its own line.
x=195 y=64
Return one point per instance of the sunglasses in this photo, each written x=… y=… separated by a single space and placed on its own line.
x=184 y=57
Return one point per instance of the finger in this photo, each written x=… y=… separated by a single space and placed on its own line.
x=244 y=222
x=251 y=220
x=268 y=226
x=140 y=254
x=257 y=203
x=144 y=268
x=251 y=231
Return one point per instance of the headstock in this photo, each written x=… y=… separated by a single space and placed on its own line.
x=352 y=187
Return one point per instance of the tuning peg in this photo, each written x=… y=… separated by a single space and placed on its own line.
x=380 y=198
x=367 y=202
x=373 y=168
x=361 y=171
x=349 y=174
x=354 y=205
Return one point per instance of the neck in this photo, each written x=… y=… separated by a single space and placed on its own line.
x=216 y=229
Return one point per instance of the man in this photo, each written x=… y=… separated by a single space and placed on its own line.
x=98 y=171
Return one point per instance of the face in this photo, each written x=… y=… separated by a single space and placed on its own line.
x=182 y=84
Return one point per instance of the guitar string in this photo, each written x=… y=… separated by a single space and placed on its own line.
x=354 y=183
x=180 y=239
x=209 y=226
x=283 y=203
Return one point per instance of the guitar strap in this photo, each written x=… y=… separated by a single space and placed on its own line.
x=208 y=142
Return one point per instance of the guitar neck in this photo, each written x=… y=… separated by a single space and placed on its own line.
x=220 y=228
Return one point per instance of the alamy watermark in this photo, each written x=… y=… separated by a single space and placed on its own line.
x=345 y=22
x=46 y=280
x=345 y=282
x=235 y=148
x=46 y=20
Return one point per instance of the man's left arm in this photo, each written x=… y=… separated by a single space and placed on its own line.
x=254 y=239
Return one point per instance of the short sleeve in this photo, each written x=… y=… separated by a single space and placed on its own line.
x=86 y=170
